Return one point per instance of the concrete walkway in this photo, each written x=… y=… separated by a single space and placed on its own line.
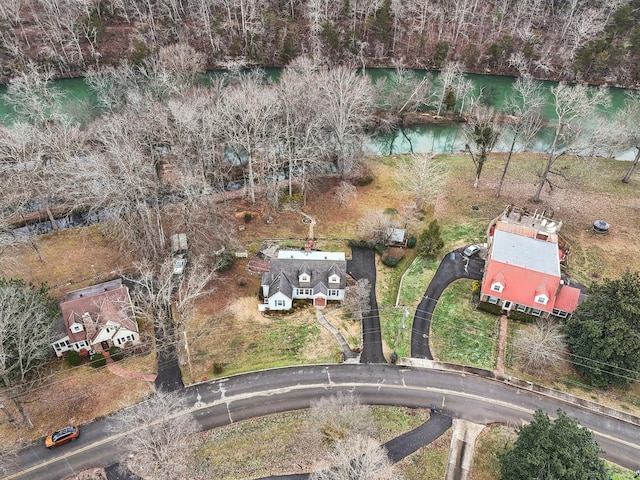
x=463 y=444
x=121 y=372
x=348 y=355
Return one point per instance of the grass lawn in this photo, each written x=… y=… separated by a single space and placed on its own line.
x=460 y=334
x=281 y=443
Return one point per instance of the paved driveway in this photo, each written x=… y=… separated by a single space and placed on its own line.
x=452 y=267
x=363 y=265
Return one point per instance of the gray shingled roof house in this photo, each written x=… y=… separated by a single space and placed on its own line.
x=318 y=276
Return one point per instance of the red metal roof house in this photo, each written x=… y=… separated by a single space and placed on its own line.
x=523 y=268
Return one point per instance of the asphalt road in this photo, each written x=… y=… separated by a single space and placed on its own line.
x=452 y=267
x=363 y=265
x=240 y=397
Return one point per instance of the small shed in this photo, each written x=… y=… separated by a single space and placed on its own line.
x=179 y=243
x=396 y=236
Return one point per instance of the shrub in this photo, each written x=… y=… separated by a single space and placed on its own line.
x=431 y=241
x=247 y=217
x=361 y=244
x=475 y=286
x=390 y=262
x=225 y=261
x=411 y=242
x=74 y=358
x=98 y=361
x=115 y=353
x=489 y=308
x=218 y=368
x=380 y=248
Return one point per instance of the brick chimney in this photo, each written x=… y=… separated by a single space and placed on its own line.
x=89 y=326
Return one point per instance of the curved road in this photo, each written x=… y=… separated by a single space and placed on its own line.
x=452 y=267
x=240 y=397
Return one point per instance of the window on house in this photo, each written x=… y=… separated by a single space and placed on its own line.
x=522 y=308
x=279 y=303
x=560 y=313
x=305 y=278
x=536 y=312
x=493 y=300
x=334 y=293
x=541 y=299
x=334 y=279
x=496 y=287
x=76 y=327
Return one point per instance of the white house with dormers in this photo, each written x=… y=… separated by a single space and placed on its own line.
x=297 y=274
x=96 y=318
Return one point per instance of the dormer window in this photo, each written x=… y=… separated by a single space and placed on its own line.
x=497 y=287
x=334 y=279
x=542 y=299
x=304 y=278
x=76 y=328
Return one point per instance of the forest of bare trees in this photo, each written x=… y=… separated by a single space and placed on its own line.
x=596 y=41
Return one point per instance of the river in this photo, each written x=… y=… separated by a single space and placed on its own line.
x=78 y=101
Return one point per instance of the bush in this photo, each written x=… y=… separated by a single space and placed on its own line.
x=489 y=308
x=74 y=358
x=411 y=242
x=390 y=262
x=380 y=248
x=115 y=353
x=98 y=361
x=361 y=244
x=218 y=368
x=475 y=286
x=247 y=217
x=431 y=241
x=225 y=261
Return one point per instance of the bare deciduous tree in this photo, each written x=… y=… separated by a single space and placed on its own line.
x=540 y=346
x=574 y=106
x=157 y=434
x=524 y=116
x=344 y=193
x=625 y=131
x=374 y=227
x=482 y=131
x=422 y=177
x=347 y=99
x=356 y=299
x=27 y=316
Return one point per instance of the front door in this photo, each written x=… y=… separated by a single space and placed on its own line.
x=320 y=302
x=507 y=305
x=105 y=346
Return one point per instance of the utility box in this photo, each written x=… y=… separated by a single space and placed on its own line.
x=179 y=244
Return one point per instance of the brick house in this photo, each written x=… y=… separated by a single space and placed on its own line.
x=524 y=266
x=96 y=318
x=313 y=275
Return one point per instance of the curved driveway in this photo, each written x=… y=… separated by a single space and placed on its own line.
x=240 y=397
x=452 y=267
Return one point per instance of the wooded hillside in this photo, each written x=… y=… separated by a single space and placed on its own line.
x=587 y=40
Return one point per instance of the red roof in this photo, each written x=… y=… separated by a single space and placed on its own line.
x=567 y=299
x=520 y=285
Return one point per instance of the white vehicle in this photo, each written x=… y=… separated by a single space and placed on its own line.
x=471 y=250
x=179 y=266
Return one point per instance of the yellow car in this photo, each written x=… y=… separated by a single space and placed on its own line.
x=64 y=435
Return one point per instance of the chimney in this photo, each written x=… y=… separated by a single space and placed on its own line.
x=89 y=326
x=560 y=285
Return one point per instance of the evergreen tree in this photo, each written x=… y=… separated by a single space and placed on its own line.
x=604 y=332
x=430 y=241
x=558 y=450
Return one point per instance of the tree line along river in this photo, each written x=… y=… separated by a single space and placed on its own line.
x=78 y=102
